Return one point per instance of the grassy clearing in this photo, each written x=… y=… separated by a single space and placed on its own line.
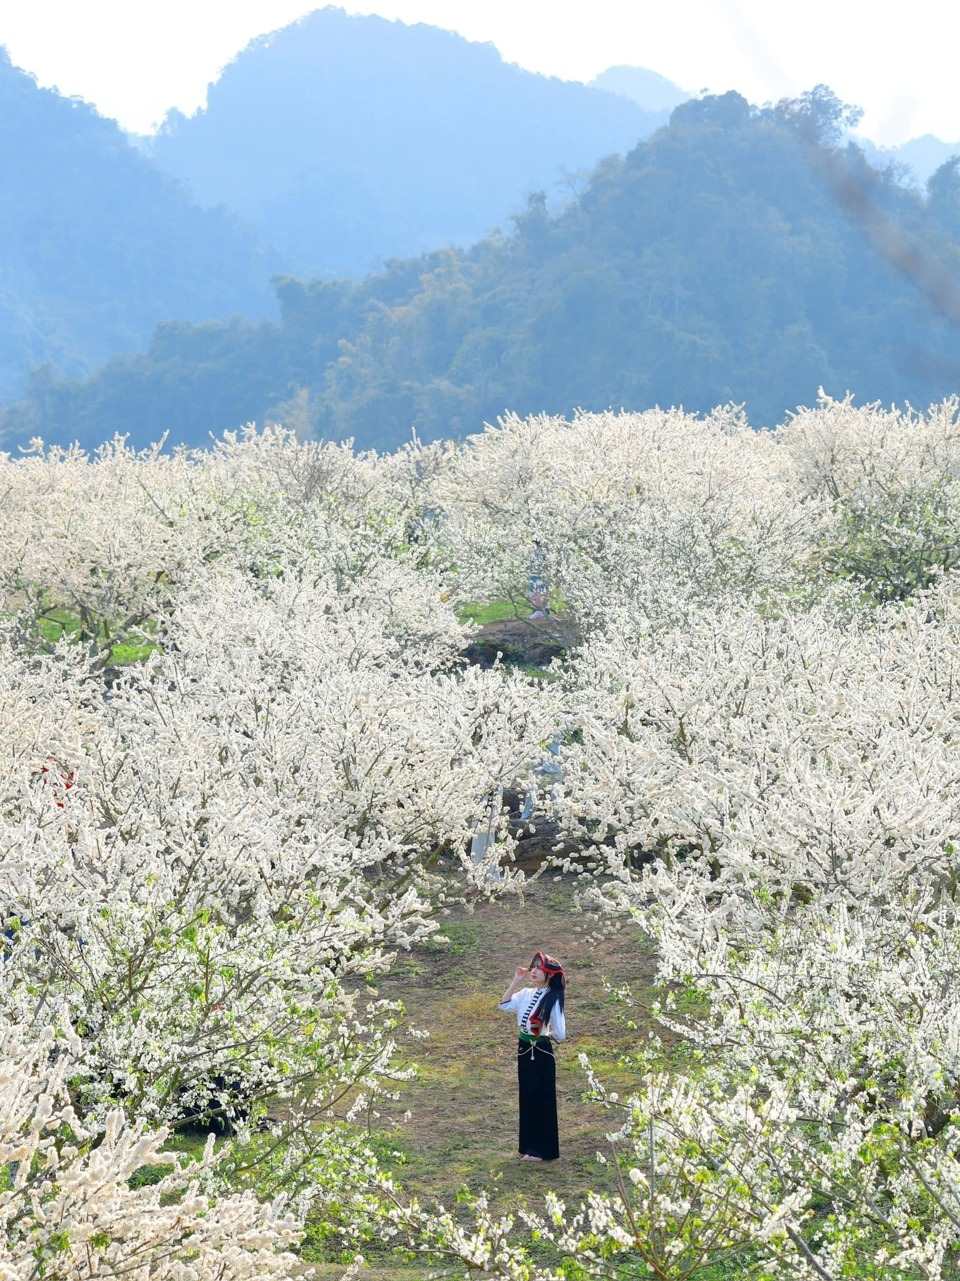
x=59 y=621
x=498 y=611
x=462 y=1134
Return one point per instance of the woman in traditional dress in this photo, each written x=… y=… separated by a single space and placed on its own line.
x=536 y=997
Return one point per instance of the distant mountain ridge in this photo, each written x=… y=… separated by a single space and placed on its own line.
x=923 y=156
x=704 y=258
x=648 y=89
x=96 y=245
x=730 y=257
x=349 y=140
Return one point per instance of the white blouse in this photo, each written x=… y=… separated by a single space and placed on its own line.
x=524 y=1002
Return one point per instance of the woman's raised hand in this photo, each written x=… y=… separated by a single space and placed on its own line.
x=520 y=972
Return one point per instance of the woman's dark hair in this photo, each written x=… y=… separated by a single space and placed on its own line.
x=554 y=993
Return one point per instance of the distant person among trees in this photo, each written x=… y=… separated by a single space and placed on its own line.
x=536 y=996
x=538 y=589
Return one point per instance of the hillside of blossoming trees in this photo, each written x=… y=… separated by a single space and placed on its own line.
x=247 y=778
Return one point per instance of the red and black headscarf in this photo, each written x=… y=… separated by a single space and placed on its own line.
x=554 y=994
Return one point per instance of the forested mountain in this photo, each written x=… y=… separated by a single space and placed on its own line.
x=741 y=254
x=97 y=245
x=646 y=88
x=348 y=140
x=921 y=156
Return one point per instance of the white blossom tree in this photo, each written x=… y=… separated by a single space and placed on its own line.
x=204 y=867
x=71 y=1208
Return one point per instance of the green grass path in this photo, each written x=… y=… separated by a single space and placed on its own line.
x=463 y=1130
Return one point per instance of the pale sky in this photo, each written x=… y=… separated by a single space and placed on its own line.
x=133 y=59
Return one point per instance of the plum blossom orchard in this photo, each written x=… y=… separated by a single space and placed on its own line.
x=68 y=1209
x=233 y=836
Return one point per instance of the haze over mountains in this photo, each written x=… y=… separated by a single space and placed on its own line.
x=646 y=88
x=97 y=245
x=350 y=140
x=922 y=156
x=732 y=256
x=540 y=245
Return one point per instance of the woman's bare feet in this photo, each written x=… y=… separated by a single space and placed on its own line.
x=527 y=1157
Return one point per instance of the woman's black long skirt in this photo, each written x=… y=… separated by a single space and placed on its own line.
x=537 y=1076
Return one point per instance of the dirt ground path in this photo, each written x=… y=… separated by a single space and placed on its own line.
x=463 y=1128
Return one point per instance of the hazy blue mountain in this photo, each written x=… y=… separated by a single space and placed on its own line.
x=922 y=156
x=350 y=140
x=926 y=154
x=97 y=245
x=647 y=89
x=733 y=256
